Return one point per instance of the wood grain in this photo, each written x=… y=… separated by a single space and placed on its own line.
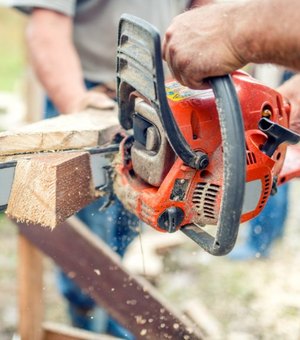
x=75 y=131
x=47 y=189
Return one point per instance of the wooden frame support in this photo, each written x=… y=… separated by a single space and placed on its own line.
x=98 y=271
x=31 y=302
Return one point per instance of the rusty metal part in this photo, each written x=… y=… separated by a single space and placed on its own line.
x=266 y=113
x=153 y=160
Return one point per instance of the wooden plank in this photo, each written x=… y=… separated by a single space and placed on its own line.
x=31 y=303
x=98 y=271
x=55 y=331
x=75 y=131
x=48 y=189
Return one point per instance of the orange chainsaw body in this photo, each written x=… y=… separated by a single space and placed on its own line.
x=197 y=193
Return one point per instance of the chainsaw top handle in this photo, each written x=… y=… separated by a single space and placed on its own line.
x=139 y=68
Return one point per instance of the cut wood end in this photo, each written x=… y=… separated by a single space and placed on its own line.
x=48 y=189
x=27 y=221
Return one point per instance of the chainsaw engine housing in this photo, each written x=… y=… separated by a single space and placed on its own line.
x=167 y=194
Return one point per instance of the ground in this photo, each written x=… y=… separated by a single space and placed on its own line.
x=259 y=299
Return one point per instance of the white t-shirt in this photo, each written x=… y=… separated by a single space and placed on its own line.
x=96 y=23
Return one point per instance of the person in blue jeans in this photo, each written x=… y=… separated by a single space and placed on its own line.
x=117 y=227
x=72 y=48
x=264 y=229
x=269 y=225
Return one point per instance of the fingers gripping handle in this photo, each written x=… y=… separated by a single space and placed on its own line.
x=234 y=171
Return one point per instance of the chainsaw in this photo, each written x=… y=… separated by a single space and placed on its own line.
x=195 y=158
x=191 y=158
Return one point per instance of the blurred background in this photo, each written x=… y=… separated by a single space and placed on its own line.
x=235 y=300
x=12 y=67
x=20 y=103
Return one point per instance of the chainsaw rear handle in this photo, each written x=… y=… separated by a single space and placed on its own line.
x=234 y=173
x=139 y=68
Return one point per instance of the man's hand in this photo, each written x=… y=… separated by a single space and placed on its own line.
x=57 y=64
x=217 y=39
x=198 y=44
x=290 y=91
x=95 y=98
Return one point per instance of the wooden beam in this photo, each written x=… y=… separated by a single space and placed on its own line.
x=31 y=302
x=55 y=331
x=75 y=131
x=48 y=189
x=98 y=271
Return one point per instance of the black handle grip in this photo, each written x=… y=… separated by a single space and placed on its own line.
x=234 y=173
x=277 y=135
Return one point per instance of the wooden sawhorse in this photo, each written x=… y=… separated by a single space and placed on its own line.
x=98 y=271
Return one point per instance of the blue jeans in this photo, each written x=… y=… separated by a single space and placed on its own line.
x=117 y=228
x=269 y=225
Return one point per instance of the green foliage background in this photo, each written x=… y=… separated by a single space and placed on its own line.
x=12 y=48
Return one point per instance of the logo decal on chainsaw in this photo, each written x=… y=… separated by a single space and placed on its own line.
x=177 y=92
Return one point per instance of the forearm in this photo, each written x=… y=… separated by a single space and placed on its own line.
x=217 y=39
x=268 y=32
x=54 y=58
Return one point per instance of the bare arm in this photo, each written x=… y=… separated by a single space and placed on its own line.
x=217 y=39
x=290 y=90
x=56 y=62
